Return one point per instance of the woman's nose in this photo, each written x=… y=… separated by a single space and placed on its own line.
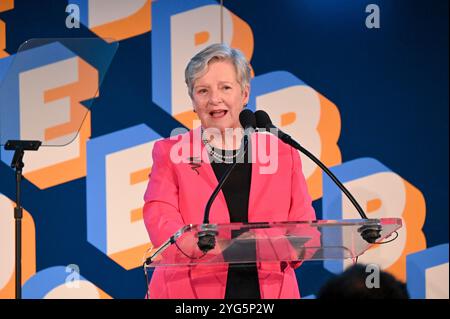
x=215 y=97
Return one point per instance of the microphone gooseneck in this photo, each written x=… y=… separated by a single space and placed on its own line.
x=369 y=233
x=222 y=181
x=248 y=121
x=206 y=239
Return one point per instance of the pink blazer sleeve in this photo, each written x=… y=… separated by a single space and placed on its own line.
x=301 y=207
x=161 y=212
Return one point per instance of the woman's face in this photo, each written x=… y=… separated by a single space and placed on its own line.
x=218 y=98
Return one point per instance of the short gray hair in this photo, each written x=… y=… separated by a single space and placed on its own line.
x=198 y=65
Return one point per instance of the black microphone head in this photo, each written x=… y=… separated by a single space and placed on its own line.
x=262 y=119
x=247 y=119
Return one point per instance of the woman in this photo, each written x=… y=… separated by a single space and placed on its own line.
x=218 y=81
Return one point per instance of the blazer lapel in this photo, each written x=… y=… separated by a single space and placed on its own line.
x=257 y=182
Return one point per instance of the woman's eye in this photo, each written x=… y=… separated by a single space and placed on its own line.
x=201 y=91
x=227 y=87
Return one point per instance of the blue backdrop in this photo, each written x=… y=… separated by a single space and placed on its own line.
x=390 y=85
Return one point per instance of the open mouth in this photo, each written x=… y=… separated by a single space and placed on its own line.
x=218 y=114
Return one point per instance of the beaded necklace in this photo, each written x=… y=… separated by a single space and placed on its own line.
x=217 y=156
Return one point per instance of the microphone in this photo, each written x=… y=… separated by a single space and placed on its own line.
x=263 y=121
x=247 y=119
x=206 y=239
x=369 y=233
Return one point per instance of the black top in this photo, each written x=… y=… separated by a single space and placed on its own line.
x=242 y=280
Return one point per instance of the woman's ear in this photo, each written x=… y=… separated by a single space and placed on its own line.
x=246 y=95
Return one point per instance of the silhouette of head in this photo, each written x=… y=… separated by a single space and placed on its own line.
x=355 y=283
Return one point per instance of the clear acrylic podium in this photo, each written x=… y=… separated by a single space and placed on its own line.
x=241 y=243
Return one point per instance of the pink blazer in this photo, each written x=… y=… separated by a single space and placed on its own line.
x=177 y=195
